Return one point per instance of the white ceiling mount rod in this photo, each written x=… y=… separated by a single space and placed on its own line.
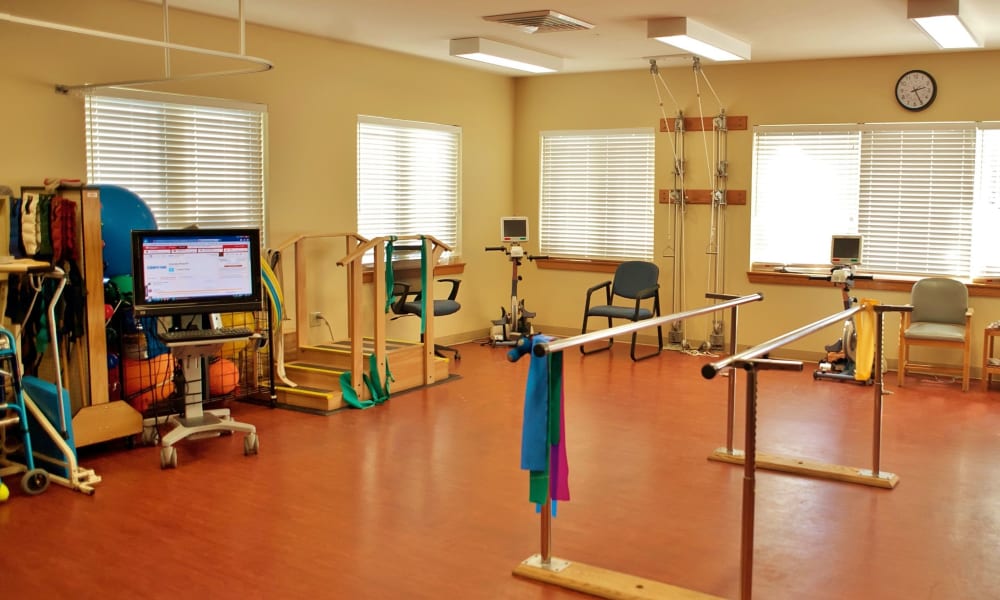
x=259 y=64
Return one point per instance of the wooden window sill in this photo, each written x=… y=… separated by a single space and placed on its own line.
x=880 y=283
x=410 y=269
x=572 y=264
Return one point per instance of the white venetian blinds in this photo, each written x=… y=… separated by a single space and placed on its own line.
x=194 y=161
x=597 y=194
x=924 y=196
x=408 y=179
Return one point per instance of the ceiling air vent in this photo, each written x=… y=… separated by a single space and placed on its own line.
x=541 y=21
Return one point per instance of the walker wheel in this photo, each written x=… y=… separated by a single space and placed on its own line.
x=35 y=482
x=251 y=444
x=168 y=457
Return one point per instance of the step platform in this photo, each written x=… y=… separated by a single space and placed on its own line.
x=317 y=369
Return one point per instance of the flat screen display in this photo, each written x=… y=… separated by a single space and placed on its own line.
x=196 y=271
x=514 y=229
x=845 y=250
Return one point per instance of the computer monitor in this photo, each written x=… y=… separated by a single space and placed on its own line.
x=514 y=229
x=196 y=271
x=845 y=250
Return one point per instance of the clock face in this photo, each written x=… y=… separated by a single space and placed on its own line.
x=915 y=90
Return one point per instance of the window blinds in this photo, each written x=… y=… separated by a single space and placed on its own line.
x=408 y=179
x=597 y=194
x=925 y=196
x=192 y=160
x=917 y=199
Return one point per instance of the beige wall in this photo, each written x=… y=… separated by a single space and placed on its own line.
x=833 y=91
x=319 y=86
x=314 y=95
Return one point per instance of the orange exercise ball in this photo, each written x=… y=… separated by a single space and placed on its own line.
x=148 y=381
x=223 y=376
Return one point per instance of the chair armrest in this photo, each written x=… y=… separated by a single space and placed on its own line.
x=648 y=292
x=590 y=292
x=400 y=291
x=454 y=287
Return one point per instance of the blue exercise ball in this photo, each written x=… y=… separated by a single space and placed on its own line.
x=122 y=210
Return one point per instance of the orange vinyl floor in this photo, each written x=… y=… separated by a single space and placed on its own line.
x=422 y=497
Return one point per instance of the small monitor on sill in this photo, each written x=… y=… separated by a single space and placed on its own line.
x=513 y=229
x=845 y=250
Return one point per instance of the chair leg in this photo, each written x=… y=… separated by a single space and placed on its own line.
x=583 y=329
x=439 y=350
x=659 y=348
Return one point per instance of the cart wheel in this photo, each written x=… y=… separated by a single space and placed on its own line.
x=168 y=457
x=150 y=436
x=35 y=482
x=251 y=444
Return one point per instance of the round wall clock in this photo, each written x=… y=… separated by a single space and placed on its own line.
x=916 y=90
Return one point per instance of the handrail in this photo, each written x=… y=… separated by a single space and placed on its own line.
x=369 y=244
x=307 y=236
x=543 y=348
x=710 y=370
x=259 y=64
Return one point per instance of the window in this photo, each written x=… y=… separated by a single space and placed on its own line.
x=408 y=179
x=924 y=196
x=192 y=160
x=597 y=194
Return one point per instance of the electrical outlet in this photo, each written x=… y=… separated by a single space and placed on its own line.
x=315 y=319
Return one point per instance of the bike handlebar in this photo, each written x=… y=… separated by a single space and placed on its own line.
x=496 y=249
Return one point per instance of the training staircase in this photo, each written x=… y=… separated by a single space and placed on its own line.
x=316 y=371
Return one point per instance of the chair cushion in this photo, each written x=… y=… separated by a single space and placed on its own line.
x=441 y=307
x=618 y=312
x=935 y=331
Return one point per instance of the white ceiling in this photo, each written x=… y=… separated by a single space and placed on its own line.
x=777 y=30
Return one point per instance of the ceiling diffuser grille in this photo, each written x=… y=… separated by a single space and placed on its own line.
x=541 y=21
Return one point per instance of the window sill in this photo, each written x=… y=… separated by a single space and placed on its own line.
x=573 y=264
x=880 y=283
x=409 y=269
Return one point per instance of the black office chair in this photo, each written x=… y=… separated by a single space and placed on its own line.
x=403 y=307
x=634 y=281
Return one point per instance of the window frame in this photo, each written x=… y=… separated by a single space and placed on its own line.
x=567 y=182
x=952 y=172
x=250 y=206
x=407 y=186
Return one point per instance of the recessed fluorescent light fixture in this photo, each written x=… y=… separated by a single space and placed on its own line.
x=505 y=55
x=941 y=21
x=688 y=34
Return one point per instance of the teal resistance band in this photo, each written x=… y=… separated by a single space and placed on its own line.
x=390 y=277
x=372 y=380
x=424 y=282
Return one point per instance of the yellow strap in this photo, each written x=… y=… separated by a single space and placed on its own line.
x=864 y=324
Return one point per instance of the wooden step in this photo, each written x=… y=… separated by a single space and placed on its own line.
x=309 y=398
x=338 y=354
x=314 y=375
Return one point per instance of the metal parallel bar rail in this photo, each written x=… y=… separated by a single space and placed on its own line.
x=544 y=562
x=543 y=348
x=750 y=361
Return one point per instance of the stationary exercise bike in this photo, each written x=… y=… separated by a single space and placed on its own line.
x=841 y=356
x=515 y=322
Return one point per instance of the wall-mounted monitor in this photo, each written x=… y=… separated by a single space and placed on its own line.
x=845 y=250
x=514 y=229
x=196 y=271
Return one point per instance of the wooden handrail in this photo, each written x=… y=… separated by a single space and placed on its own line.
x=367 y=245
x=306 y=236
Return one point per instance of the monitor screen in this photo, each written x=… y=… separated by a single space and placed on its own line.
x=196 y=271
x=845 y=250
x=514 y=229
